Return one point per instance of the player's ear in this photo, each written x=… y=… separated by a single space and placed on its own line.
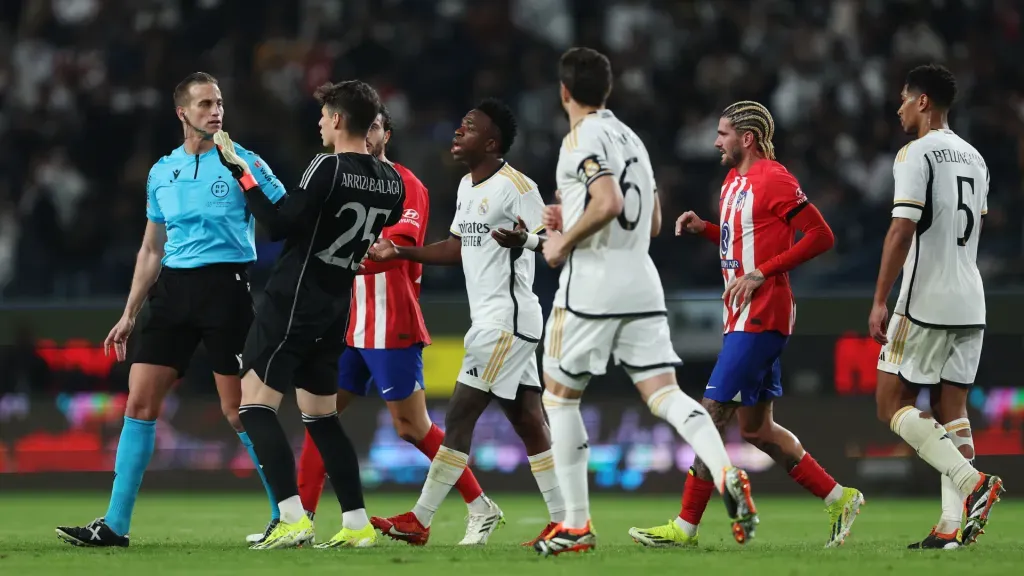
x=387 y=137
x=564 y=93
x=747 y=139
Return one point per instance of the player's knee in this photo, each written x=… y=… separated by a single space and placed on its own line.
x=408 y=430
x=753 y=437
x=230 y=412
x=142 y=407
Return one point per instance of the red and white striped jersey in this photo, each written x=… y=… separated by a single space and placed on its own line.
x=385 y=310
x=755 y=212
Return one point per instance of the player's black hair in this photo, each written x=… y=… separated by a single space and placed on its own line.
x=356 y=101
x=503 y=119
x=753 y=117
x=181 y=90
x=385 y=118
x=587 y=75
x=934 y=80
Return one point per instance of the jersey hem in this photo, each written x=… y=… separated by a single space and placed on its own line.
x=942 y=326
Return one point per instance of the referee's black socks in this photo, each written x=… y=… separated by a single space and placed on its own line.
x=340 y=459
x=275 y=456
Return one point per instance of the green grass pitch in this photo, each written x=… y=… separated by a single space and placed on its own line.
x=204 y=534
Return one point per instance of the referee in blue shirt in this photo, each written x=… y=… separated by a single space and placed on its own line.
x=199 y=240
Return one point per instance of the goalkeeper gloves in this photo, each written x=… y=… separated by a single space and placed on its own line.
x=232 y=161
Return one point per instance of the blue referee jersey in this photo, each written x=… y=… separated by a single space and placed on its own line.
x=204 y=209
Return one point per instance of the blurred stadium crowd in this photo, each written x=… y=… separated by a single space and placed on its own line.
x=87 y=108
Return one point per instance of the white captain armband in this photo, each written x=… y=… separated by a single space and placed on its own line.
x=532 y=241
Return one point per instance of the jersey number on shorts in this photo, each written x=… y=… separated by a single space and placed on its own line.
x=342 y=251
x=960 y=205
x=626 y=186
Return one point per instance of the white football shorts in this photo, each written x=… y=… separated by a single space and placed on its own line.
x=577 y=348
x=925 y=356
x=498 y=362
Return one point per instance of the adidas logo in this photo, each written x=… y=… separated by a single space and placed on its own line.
x=473 y=372
x=695 y=414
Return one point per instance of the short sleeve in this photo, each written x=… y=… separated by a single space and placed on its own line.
x=911 y=172
x=269 y=183
x=593 y=154
x=413 y=221
x=153 y=212
x=984 y=200
x=530 y=207
x=454 y=229
x=785 y=197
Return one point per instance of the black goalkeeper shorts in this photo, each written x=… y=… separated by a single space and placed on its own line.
x=210 y=304
x=299 y=347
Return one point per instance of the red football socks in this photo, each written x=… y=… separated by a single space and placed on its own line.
x=311 y=474
x=696 y=495
x=809 y=474
x=467 y=485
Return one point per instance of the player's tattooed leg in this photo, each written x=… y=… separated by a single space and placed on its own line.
x=720 y=414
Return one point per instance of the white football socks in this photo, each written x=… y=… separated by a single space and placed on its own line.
x=291 y=509
x=935 y=447
x=354 y=519
x=445 y=470
x=959 y=431
x=543 y=467
x=571 y=454
x=694 y=424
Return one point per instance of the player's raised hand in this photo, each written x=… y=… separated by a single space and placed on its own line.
x=228 y=157
x=383 y=251
x=878 y=323
x=118 y=338
x=551 y=217
x=555 y=249
x=690 y=222
x=514 y=238
x=740 y=291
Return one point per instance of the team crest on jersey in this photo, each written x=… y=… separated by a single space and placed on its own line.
x=482 y=209
x=219 y=189
x=590 y=167
x=739 y=199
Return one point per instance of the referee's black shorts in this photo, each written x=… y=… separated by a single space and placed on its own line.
x=298 y=346
x=210 y=304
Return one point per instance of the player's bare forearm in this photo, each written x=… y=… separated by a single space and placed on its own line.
x=447 y=252
x=894 y=254
x=369 y=267
x=147 y=267
x=604 y=206
x=656 y=217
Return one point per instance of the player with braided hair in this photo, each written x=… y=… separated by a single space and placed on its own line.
x=753 y=117
x=762 y=207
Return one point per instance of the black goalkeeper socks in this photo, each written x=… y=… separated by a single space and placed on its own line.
x=340 y=459
x=272 y=448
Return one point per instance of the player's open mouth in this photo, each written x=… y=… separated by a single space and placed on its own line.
x=456 y=148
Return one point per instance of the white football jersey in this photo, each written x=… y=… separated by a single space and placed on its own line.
x=942 y=184
x=499 y=281
x=609 y=274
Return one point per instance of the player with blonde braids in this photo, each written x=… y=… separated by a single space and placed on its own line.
x=762 y=207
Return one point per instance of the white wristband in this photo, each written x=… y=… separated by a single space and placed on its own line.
x=532 y=241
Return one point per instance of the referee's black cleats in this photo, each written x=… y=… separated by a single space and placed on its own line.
x=94 y=534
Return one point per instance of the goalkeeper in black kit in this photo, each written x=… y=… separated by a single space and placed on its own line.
x=328 y=223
